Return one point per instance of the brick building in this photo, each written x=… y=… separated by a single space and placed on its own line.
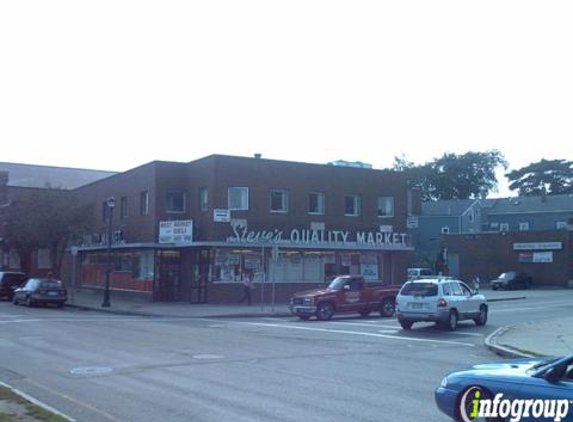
x=191 y=231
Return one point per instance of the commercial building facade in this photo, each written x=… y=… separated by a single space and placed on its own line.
x=192 y=231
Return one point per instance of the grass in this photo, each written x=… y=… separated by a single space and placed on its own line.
x=30 y=412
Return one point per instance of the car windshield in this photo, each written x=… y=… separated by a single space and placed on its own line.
x=506 y=276
x=338 y=283
x=419 y=289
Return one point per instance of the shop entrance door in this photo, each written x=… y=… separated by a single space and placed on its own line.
x=200 y=277
x=169 y=276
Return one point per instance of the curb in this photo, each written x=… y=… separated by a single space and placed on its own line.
x=505 y=299
x=507 y=352
x=148 y=314
x=37 y=402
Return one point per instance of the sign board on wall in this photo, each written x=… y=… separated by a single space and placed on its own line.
x=537 y=246
x=221 y=216
x=535 y=257
x=180 y=231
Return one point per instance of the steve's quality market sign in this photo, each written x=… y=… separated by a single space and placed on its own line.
x=241 y=234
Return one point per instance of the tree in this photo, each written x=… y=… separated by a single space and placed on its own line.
x=551 y=177
x=47 y=218
x=470 y=175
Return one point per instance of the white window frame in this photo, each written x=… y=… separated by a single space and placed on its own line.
x=356 y=204
x=383 y=199
x=523 y=227
x=504 y=227
x=284 y=195
x=244 y=206
x=560 y=225
x=445 y=230
x=204 y=198
x=144 y=206
x=321 y=203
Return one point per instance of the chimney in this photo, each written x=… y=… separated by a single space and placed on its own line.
x=543 y=194
x=258 y=156
x=415 y=201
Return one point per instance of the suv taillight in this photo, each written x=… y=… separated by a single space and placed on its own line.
x=442 y=303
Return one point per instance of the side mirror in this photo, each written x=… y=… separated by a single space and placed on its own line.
x=554 y=374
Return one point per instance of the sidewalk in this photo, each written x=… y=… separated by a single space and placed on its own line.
x=91 y=301
x=552 y=337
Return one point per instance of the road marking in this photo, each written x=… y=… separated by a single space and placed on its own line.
x=356 y=333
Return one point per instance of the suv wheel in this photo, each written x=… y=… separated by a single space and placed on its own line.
x=452 y=322
x=482 y=317
x=406 y=325
x=325 y=311
x=388 y=307
x=29 y=301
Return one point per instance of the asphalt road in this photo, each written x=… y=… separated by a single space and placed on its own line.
x=98 y=367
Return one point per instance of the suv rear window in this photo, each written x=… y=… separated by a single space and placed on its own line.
x=419 y=289
x=51 y=285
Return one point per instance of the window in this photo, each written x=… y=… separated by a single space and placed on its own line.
x=471 y=216
x=457 y=289
x=123 y=207
x=351 y=205
x=447 y=289
x=175 y=201
x=445 y=230
x=385 y=206
x=238 y=198
x=316 y=203
x=560 y=225
x=204 y=199
x=105 y=211
x=504 y=227
x=144 y=203
x=279 y=200
x=523 y=226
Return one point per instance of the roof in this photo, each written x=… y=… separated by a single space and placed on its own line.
x=533 y=204
x=35 y=176
x=450 y=207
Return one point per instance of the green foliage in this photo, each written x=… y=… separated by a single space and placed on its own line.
x=551 y=177
x=470 y=175
x=47 y=218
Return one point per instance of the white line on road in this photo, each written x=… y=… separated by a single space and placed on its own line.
x=356 y=333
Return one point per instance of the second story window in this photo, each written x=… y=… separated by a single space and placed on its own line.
x=316 y=203
x=175 y=201
x=523 y=226
x=238 y=198
x=351 y=205
x=279 y=200
x=123 y=207
x=204 y=199
x=445 y=230
x=560 y=225
x=385 y=206
x=504 y=227
x=144 y=203
x=105 y=211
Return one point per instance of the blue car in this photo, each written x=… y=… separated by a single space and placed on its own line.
x=519 y=390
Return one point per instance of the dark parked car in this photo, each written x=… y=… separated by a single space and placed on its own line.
x=41 y=291
x=512 y=280
x=10 y=281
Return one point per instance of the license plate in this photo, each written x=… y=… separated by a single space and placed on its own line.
x=53 y=293
x=416 y=305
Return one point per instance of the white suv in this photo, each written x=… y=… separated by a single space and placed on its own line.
x=442 y=300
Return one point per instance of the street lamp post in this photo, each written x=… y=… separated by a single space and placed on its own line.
x=110 y=206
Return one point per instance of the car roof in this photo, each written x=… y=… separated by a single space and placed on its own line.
x=433 y=280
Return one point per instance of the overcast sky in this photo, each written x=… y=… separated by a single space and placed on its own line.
x=115 y=84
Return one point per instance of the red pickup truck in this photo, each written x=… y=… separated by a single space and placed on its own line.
x=345 y=294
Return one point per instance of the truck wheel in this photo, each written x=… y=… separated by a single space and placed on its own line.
x=387 y=308
x=406 y=325
x=365 y=312
x=325 y=311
